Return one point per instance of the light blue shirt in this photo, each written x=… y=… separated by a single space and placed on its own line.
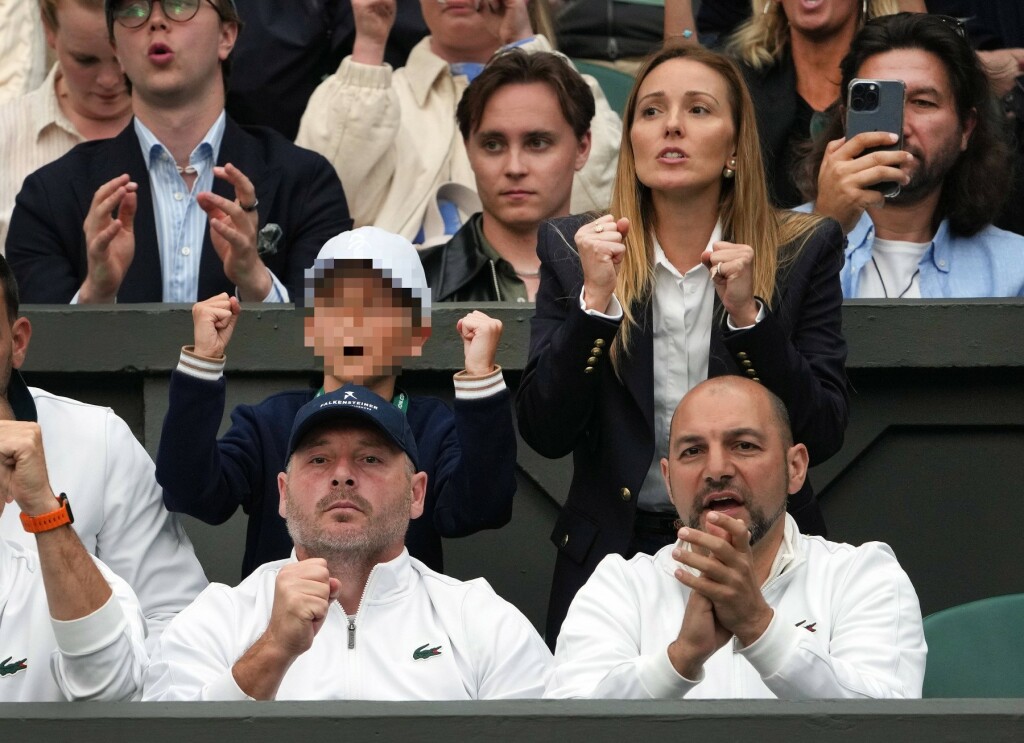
x=989 y=263
x=181 y=224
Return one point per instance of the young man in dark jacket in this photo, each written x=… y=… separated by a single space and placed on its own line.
x=368 y=311
x=526 y=124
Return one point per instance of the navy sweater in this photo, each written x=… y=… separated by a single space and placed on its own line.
x=469 y=457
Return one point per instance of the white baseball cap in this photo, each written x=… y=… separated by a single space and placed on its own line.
x=392 y=255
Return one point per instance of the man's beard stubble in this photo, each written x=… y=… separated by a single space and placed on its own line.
x=930 y=174
x=384 y=527
x=759 y=524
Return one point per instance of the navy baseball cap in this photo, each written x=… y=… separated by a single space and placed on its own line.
x=353 y=401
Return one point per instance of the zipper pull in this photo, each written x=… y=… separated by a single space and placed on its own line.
x=351 y=633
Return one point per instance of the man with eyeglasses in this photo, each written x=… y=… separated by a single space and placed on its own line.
x=184 y=203
x=934 y=239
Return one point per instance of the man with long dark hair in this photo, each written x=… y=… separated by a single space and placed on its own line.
x=935 y=238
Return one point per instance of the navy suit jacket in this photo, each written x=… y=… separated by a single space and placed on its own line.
x=797 y=351
x=297 y=189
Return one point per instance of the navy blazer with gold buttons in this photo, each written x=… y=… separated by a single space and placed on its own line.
x=571 y=401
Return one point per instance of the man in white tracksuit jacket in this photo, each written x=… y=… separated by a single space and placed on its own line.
x=69 y=628
x=350 y=615
x=742 y=605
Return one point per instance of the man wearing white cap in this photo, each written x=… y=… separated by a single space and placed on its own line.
x=350 y=615
x=368 y=310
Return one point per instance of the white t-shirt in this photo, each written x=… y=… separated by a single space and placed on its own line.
x=893 y=270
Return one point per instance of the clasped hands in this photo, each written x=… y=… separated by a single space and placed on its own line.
x=725 y=599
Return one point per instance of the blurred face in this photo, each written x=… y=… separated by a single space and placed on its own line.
x=932 y=130
x=350 y=490
x=359 y=329
x=682 y=134
x=457 y=30
x=820 y=19
x=726 y=454
x=170 y=62
x=524 y=155
x=92 y=80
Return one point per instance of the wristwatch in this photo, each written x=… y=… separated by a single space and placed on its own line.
x=51 y=520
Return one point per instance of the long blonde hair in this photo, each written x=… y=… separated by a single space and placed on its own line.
x=746 y=214
x=761 y=39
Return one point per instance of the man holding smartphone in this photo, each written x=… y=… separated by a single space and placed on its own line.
x=934 y=238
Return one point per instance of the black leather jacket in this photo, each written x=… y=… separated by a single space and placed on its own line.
x=459 y=270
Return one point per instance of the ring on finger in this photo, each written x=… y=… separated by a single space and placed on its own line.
x=599 y=228
x=250 y=207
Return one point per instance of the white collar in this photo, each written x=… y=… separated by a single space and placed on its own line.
x=661 y=260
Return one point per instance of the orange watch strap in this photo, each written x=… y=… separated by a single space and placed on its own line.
x=51 y=520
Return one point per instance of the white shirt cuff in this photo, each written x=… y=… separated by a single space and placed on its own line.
x=469 y=387
x=277 y=293
x=760 y=316
x=661 y=679
x=614 y=309
x=91 y=633
x=769 y=652
x=74 y=299
x=225 y=689
x=201 y=367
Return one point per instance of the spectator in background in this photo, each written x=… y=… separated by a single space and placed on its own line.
x=691 y=274
x=716 y=20
x=789 y=52
x=935 y=238
x=83 y=97
x=614 y=33
x=95 y=459
x=392 y=135
x=23 y=58
x=368 y=308
x=202 y=205
x=350 y=615
x=526 y=125
x=290 y=46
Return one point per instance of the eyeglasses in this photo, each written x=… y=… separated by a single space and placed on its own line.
x=135 y=13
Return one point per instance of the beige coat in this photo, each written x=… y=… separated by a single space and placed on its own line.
x=393 y=139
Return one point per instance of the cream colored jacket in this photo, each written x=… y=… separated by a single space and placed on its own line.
x=393 y=138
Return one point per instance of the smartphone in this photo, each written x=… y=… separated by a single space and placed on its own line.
x=876 y=106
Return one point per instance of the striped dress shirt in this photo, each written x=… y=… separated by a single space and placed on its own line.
x=181 y=224
x=33 y=132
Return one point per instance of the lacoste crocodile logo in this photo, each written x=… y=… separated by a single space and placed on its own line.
x=809 y=627
x=423 y=652
x=7 y=668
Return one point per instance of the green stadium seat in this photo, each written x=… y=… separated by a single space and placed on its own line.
x=615 y=84
x=976 y=649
